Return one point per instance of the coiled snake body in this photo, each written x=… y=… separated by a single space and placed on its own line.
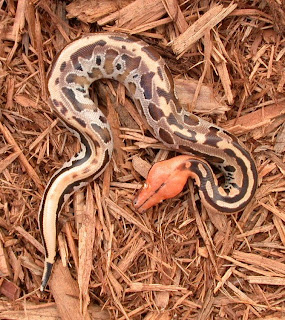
x=146 y=76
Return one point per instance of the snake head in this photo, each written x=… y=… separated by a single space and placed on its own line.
x=165 y=180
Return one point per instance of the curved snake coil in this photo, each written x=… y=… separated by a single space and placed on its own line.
x=144 y=73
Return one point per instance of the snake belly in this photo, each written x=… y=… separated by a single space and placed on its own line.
x=144 y=73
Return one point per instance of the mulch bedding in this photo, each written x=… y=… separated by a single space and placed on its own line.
x=176 y=261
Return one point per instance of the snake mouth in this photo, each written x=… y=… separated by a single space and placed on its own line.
x=146 y=201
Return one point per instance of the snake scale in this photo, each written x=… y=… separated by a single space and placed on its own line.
x=144 y=73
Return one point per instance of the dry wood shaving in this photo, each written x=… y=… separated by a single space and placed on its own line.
x=176 y=261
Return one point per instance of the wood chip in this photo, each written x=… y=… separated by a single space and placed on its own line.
x=175 y=261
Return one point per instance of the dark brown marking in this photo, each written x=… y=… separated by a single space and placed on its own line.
x=103 y=119
x=97 y=145
x=122 y=38
x=191 y=120
x=69 y=94
x=165 y=136
x=155 y=112
x=146 y=84
x=214 y=130
x=122 y=78
x=56 y=81
x=63 y=110
x=111 y=54
x=172 y=120
x=177 y=105
x=62 y=66
x=191 y=137
x=103 y=132
x=82 y=90
x=212 y=139
x=85 y=52
x=151 y=53
x=159 y=72
x=95 y=74
x=132 y=63
x=212 y=159
x=230 y=153
x=230 y=168
x=98 y=60
x=56 y=103
x=166 y=95
x=71 y=78
x=74 y=78
x=80 y=121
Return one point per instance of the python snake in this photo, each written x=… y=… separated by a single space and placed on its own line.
x=144 y=73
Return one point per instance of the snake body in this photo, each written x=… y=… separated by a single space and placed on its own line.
x=144 y=73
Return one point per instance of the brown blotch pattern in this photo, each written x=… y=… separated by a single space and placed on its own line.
x=111 y=54
x=70 y=95
x=132 y=63
x=80 y=121
x=191 y=120
x=122 y=78
x=155 y=112
x=97 y=145
x=191 y=137
x=172 y=120
x=94 y=161
x=62 y=66
x=177 y=105
x=103 y=132
x=159 y=72
x=230 y=168
x=212 y=138
x=209 y=158
x=55 y=102
x=162 y=93
x=74 y=78
x=103 y=119
x=165 y=136
x=151 y=53
x=85 y=52
x=95 y=73
x=63 y=110
x=146 y=84
x=124 y=39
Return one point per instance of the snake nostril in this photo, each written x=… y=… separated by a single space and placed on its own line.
x=135 y=201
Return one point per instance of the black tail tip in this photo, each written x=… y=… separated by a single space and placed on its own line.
x=46 y=275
